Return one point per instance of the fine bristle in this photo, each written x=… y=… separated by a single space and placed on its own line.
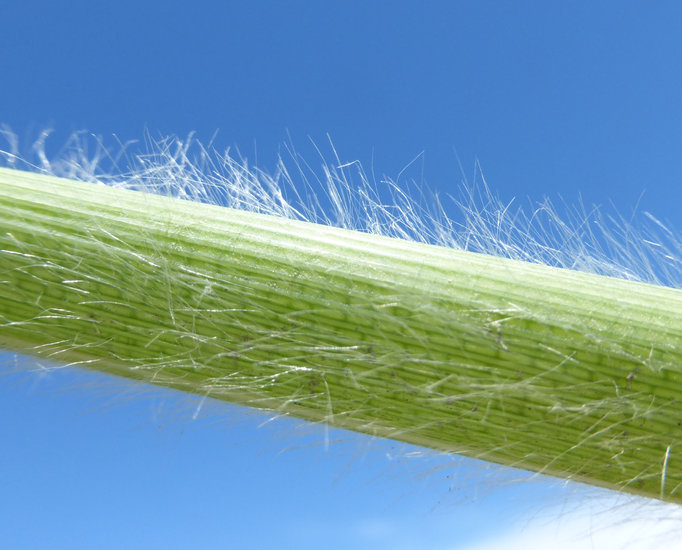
x=330 y=191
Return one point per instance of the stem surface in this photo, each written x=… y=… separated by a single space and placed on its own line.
x=556 y=371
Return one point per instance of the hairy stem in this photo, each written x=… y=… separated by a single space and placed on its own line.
x=570 y=374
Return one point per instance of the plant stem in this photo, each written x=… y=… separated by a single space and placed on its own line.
x=561 y=372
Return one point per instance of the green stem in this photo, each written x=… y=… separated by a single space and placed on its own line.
x=566 y=373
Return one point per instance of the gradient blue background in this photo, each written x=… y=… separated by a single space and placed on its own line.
x=553 y=98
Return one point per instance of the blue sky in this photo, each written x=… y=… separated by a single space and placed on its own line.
x=560 y=99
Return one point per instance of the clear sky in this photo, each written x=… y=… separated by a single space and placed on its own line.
x=565 y=99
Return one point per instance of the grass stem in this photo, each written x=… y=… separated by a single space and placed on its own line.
x=566 y=373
